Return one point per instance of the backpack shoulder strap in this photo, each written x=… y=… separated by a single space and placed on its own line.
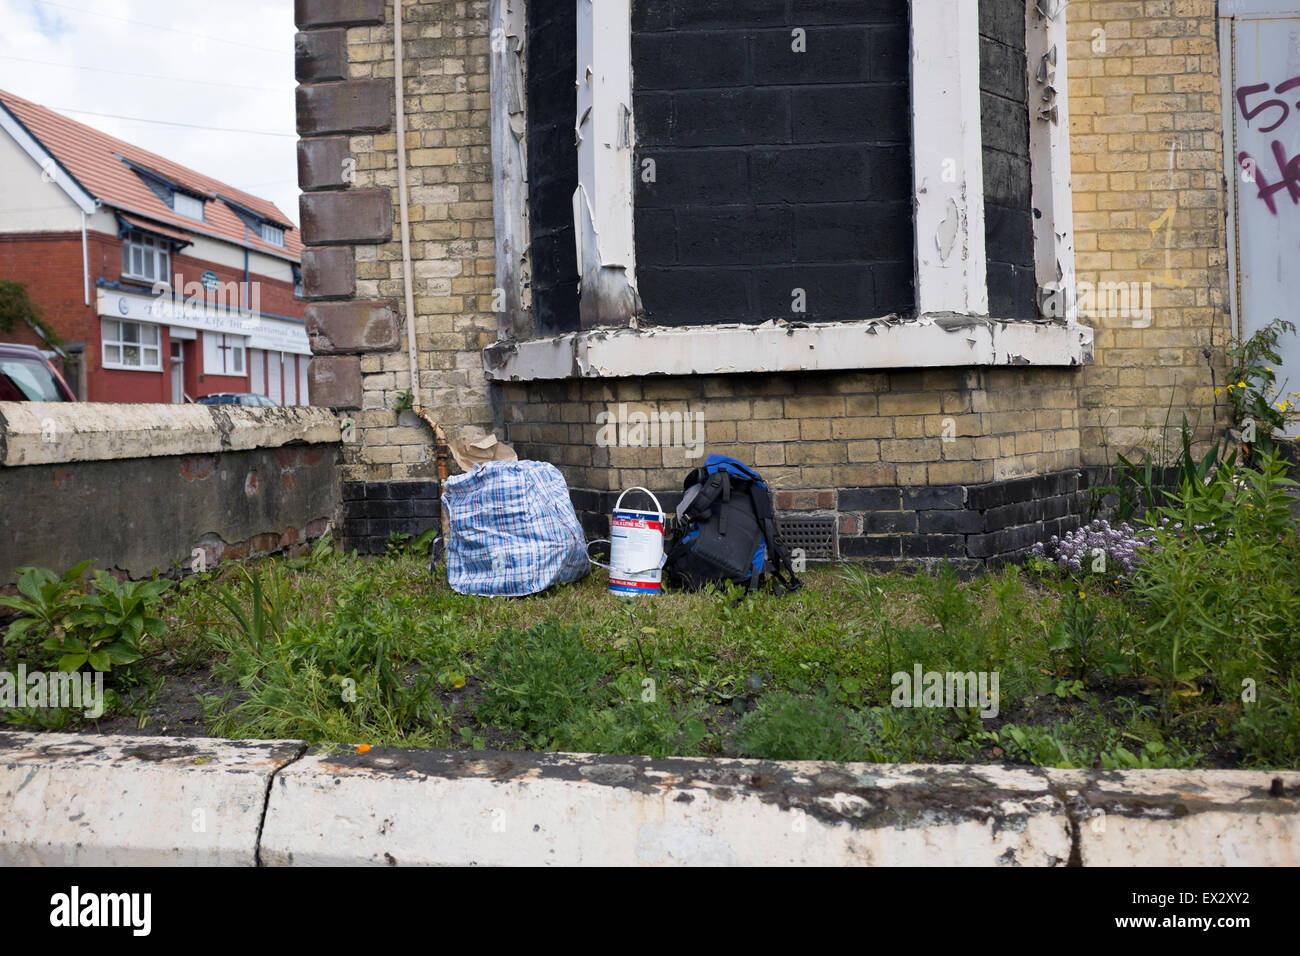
x=783 y=576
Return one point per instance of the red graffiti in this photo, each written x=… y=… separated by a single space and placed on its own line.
x=1289 y=178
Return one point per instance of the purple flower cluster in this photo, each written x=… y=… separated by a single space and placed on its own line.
x=1123 y=547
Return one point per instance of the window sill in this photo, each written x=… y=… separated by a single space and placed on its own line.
x=130 y=368
x=930 y=341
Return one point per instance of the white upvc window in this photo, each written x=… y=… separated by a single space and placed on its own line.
x=272 y=234
x=223 y=354
x=952 y=326
x=188 y=206
x=146 y=257
x=131 y=345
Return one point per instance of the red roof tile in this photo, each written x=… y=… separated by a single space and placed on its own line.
x=92 y=158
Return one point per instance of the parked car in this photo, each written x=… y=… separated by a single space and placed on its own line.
x=26 y=375
x=234 y=398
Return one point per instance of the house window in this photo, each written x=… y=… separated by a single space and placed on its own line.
x=131 y=345
x=297 y=283
x=145 y=257
x=272 y=234
x=223 y=354
x=187 y=206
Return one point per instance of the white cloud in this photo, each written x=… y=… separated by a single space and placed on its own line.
x=228 y=64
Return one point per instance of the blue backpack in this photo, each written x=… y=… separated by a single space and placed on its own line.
x=726 y=531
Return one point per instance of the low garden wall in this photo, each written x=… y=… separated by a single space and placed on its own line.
x=166 y=487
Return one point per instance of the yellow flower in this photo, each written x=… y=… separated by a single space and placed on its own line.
x=1231 y=387
x=1241 y=384
x=1082 y=595
x=1218 y=391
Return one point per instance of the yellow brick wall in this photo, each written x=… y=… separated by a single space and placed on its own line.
x=1147 y=141
x=449 y=179
x=814 y=431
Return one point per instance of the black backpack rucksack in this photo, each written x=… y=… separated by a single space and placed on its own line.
x=726 y=531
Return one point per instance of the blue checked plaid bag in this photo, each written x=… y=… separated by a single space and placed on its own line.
x=511 y=530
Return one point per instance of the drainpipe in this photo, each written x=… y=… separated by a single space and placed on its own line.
x=417 y=402
x=85 y=258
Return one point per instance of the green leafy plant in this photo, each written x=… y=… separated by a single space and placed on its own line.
x=1039 y=746
x=633 y=725
x=369 y=669
x=1074 y=638
x=107 y=625
x=102 y=627
x=1219 y=594
x=537 y=680
x=44 y=601
x=787 y=726
x=17 y=308
x=1252 y=385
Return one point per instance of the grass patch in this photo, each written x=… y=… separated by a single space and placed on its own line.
x=1191 y=658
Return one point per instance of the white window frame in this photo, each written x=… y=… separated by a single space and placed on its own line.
x=235 y=346
x=152 y=249
x=118 y=340
x=191 y=207
x=952 y=326
x=271 y=233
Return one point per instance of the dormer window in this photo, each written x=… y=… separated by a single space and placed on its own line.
x=191 y=207
x=272 y=234
x=145 y=257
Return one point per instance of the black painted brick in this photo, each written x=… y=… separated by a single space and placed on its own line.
x=935 y=546
x=939 y=496
x=870 y=499
x=688 y=61
x=882 y=546
x=833 y=55
x=731 y=117
x=1016 y=513
x=949 y=522
x=893 y=522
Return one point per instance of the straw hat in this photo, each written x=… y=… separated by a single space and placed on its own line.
x=474 y=447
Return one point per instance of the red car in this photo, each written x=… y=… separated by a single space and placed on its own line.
x=26 y=375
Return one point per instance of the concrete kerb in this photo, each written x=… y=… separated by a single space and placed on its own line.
x=68 y=800
x=94 y=799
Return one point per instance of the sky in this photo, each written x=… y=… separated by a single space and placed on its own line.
x=214 y=66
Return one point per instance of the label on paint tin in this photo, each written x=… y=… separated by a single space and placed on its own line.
x=636 y=552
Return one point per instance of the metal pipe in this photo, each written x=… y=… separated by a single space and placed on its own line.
x=417 y=403
x=85 y=258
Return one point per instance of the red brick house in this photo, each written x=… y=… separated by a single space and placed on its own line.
x=164 y=284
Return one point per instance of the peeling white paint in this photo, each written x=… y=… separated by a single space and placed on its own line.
x=948 y=165
x=1049 y=152
x=510 y=167
x=930 y=341
x=602 y=203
